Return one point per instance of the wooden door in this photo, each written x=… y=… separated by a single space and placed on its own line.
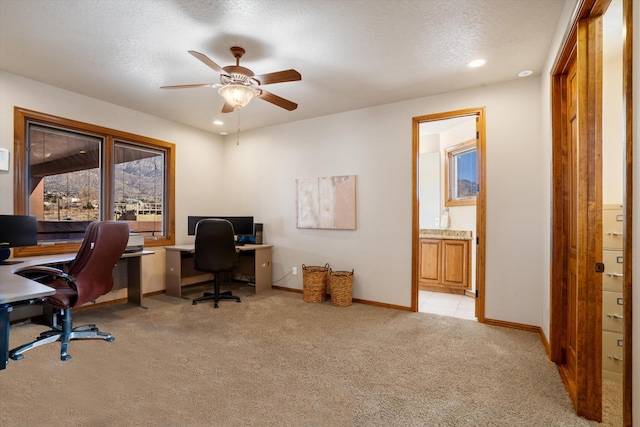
x=571 y=222
x=576 y=290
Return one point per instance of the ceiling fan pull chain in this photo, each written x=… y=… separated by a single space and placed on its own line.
x=238 y=132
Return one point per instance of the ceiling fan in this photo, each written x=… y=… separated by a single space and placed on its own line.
x=238 y=85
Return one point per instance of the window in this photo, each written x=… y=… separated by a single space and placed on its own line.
x=461 y=176
x=69 y=173
x=139 y=187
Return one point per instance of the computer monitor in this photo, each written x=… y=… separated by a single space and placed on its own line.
x=16 y=231
x=242 y=225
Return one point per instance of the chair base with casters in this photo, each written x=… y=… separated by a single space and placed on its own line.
x=64 y=334
x=216 y=295
x=89 y=276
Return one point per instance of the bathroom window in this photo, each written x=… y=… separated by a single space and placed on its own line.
x=461 y=174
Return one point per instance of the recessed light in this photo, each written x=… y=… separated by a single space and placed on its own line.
x=476 y=63
x=223 y=133
x=218 y=122
x=525 y=73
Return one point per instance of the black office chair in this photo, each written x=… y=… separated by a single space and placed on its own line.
x=90 y=276
x=215 y=252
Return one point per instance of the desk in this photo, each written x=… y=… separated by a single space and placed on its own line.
x=15 y=289
x=180 y=272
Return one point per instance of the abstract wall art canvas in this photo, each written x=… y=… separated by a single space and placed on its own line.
x=327 y=202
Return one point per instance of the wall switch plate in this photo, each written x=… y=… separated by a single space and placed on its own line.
x=437 y=221
x=4 y=159
x=294 y=271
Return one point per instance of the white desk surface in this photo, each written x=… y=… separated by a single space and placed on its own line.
x=14 y=287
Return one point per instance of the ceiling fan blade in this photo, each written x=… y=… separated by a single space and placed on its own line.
x=208 y=62
x=187 y=86
x=276 y=100
x=278 y=77
x=227 y=108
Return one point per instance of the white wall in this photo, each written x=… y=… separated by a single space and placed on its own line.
x=376 y=145
x=430 y=190
x=198 y=153
x=612 y=138
x=258 y=177
x=545 y=171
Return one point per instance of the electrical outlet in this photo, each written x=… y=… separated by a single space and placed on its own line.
x=294 y=271
x=437 y=221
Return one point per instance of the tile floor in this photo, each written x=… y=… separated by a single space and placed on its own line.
x=446 y=304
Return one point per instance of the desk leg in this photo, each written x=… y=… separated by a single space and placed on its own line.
x=5 y=313
x=134 y=280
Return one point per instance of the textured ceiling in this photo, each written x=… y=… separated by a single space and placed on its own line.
x=351 y=53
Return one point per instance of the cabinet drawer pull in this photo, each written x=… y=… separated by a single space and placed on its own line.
x=615 y=357
x=614 y=275
x=619 y=218
x=615 y=316
x=614 y=233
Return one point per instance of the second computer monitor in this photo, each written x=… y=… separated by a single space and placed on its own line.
x=242 y=225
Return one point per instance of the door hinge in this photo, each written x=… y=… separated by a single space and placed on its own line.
x=476 y=293
x=477 y=135
x=477 y=240
x=599 y=267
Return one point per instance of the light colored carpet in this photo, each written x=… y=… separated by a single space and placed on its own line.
x=612 y=403
x=274 y=360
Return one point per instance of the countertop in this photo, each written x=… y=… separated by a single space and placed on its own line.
x=446 y=234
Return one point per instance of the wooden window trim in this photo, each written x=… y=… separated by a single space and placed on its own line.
x=449 y=153
x=20 y=179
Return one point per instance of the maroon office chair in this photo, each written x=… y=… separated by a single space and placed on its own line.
x=90 y=276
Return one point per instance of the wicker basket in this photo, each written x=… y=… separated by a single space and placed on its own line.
x=341 y=283
x=314 y=283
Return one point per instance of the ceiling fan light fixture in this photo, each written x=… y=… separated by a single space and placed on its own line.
x=237 y=95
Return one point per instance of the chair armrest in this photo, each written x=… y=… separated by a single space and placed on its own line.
x=56 y=272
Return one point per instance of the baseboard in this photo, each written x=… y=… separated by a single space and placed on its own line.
x=512 y=325
x=360 y=301
x=441 y=288
x=284 y=288
x=114 y=301
x=545 y=342
x=523 y=327
x=381 y=304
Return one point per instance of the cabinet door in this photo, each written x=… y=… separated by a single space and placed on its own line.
x=430 y=261
x=455 y=263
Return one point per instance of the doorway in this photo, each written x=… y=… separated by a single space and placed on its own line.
x=449 y=213
x=590 y=153
x=612 y=218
